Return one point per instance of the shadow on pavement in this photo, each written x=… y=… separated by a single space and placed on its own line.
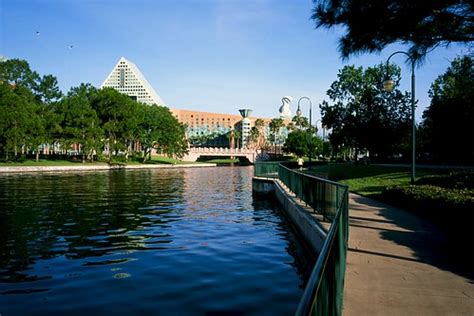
x=430 y=244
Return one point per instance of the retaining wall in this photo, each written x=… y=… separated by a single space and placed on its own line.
x=307 y=225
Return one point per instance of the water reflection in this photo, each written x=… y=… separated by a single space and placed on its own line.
x=82 y=215
x=175 y=241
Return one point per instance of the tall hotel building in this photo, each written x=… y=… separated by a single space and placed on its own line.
x=127 y=79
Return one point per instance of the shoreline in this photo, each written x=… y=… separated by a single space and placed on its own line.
x=34 y=169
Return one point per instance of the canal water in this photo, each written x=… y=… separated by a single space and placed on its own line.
x=160 y=242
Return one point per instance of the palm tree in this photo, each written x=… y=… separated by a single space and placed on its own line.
x=275 y=125
x=233 y=137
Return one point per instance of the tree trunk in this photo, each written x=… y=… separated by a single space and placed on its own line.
x=37 y=155
x=145 y=155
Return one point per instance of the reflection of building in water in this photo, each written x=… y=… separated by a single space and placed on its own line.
x=202 y=128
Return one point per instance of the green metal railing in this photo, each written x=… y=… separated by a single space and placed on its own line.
x=323 y=294
x=267 y=169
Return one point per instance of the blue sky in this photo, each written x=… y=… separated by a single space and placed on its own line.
x=209 y=55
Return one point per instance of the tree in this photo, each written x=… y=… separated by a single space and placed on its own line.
x=257 y=134
x=297 y=143
x=448 y=127
x=39 y=94
x=300 y=122
x=16 y=115
x=113 y=109
x=303 y=143
x=161 y=131
x=150 y=132
x=421 y=24
x=275 y=125
x=48 y=124
x=234 y=137
x=47 y=89
x=17 y=72
x=80 y=124
x=362 y=115
x=172 y=141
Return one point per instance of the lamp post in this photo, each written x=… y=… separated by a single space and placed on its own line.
x=388 y=86
x=310 y=115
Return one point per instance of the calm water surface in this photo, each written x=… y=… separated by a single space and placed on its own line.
x=161 y=242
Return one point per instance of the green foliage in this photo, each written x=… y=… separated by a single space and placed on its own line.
x=257 y=134
x=16 y=113
x=80 y=122
x=234 y=137
x=437 y=194
x=303 y=143
x=447 y=132
x=297 y=143
x=171 y=140
x=48 y=90
x=275 y=126
x=33 y=113
x=222 y=161
x=16 y=72
x=371 y=180
x=422 y=24
x=437 y=203
x=461 y=180
x=300 y=122
x=363 y=116
x=23 y=162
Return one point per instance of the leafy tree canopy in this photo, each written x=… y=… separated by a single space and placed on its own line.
x=300 y=121
x=363 y=116
x=447 y=129
x=18 y=73
x=370 y=25
x=303 y=143
x=34 y=115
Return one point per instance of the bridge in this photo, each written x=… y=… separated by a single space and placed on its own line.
x=196 y=152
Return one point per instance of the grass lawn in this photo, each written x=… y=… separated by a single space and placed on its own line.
x=369 y=180
x=45 y=162
x=440 y=196
x=167 y=160
x=223 y=161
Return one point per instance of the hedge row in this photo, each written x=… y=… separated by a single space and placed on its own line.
x=444 y=205
x=451 y=181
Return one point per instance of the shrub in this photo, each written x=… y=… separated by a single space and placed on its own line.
x=452 y=181
x=441 y=204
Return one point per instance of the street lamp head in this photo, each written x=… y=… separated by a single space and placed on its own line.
x=298 y=111
x=388 y=85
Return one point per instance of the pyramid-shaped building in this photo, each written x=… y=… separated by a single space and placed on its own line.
x=128 y=79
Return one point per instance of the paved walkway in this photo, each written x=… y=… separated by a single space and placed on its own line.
x=400 y=265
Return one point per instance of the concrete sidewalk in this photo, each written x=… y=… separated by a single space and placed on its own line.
x=399 y=265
